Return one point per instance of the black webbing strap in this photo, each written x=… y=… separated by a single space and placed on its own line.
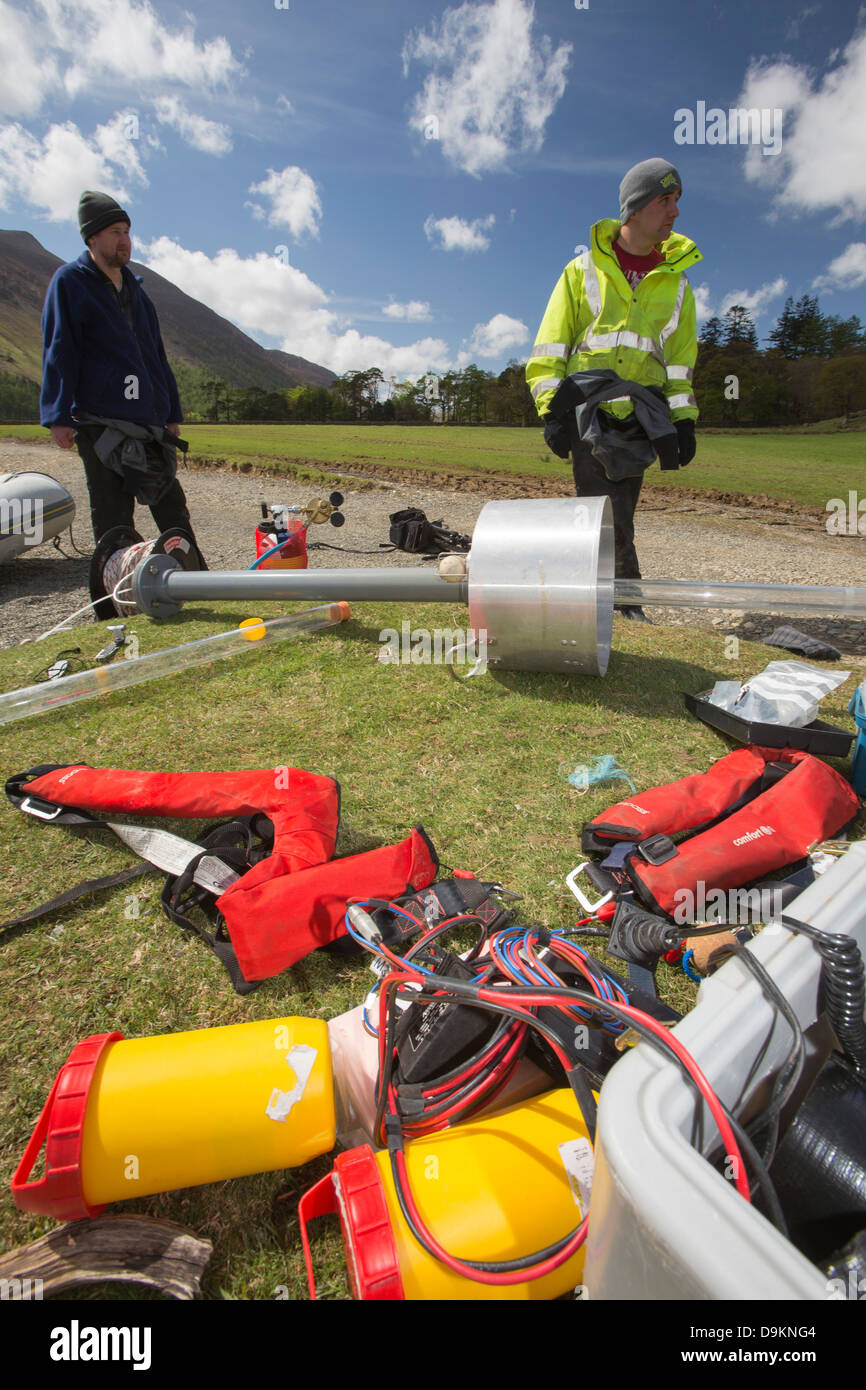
x=239 y=844
x=642 y=978
x=243 y=842
x=90 y=885
x=582 y=1088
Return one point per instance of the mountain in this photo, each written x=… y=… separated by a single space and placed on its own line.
x=25 y=269
x=192 y=333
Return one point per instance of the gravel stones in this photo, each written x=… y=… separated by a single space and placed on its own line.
x=689 y=538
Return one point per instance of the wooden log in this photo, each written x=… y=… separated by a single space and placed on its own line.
x=112 y=1249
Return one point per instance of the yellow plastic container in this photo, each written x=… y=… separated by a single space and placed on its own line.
x=130 y=1117
x=494 y=1189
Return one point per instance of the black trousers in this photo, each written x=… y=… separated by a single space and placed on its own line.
x=111 y=505
x=590 y=480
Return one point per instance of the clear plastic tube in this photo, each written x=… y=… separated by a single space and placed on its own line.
x=773 y=598
x=87 y=685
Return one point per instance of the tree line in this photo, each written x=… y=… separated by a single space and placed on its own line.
x=467 y=397
x=812 y=368
x=19 y=400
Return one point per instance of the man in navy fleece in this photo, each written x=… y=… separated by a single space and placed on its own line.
x=103 y=360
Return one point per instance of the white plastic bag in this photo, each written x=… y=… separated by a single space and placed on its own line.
x=785 y=692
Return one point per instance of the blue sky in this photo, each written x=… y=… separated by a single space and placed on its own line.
x=401 y=184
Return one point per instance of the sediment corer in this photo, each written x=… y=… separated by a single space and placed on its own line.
x=130 y=1117
x=281 y=535
x=493 y=1189
x=539 y=582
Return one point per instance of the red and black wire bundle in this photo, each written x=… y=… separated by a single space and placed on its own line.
x=519 y=1003
x=514 y=983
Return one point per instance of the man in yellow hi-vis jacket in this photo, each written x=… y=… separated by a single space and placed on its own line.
x=624 y=305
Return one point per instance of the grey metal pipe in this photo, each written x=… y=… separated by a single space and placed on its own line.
x=161 y=588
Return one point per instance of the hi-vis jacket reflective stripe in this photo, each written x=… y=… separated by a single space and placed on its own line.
x=595 y=319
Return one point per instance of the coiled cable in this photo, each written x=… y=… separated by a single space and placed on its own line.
x=844 y=984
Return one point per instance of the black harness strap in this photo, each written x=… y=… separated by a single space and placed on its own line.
x=241 y=844
x=81 y=890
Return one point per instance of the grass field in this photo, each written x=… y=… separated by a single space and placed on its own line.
x=806 y=467
x=477 y=764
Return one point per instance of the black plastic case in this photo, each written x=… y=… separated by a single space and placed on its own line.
x=825 y=740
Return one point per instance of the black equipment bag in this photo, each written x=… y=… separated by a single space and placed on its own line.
x=412 y=532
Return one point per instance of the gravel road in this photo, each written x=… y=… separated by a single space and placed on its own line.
x=688 y=538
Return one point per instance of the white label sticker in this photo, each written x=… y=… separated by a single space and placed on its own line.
x=578 y=1161
x=301 y=1059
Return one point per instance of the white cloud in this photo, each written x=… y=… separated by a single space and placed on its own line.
x=847 y=271
x=492 y=87
x=415 y=311
x=820 y=165
x=792 y=27
x=702 y=302
x=351 y=351
x=294 y=200
x=456 y=235
x=284 y=106
x=495 y=337
x=211 y=137
x=49 y=174
x=103 y=42
x=62 y=49
x=26 y=72
x=755 y=301
x=266 y=297
x=259 y=293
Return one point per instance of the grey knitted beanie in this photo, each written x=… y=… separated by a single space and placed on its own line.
x=645 y=181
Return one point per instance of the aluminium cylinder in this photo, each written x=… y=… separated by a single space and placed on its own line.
x=541 y=583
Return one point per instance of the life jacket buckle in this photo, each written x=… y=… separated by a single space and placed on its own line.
x=29 y=805
x=657 y=849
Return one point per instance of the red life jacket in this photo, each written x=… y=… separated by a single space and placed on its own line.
x=755 y=811
x=288 y=903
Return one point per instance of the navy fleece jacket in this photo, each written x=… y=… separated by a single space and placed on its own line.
x=92 y=360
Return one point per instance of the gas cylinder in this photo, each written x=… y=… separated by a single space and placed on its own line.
x=292 y=554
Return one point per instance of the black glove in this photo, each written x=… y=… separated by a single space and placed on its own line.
x=686 y=437
x=557 y=437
